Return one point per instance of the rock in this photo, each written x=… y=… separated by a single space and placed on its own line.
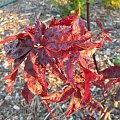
x=108 y=51
x=16 y=107
x=17 y=96
x=15 y=118
x=8 y=97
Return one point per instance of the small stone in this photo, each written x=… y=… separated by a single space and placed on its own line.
x=63 y=106
x=71 y=118
x=58 y=15
x=15 y=117
x=107 y=52
x=1 y=102
x=16 y=107
x=17 y=96
x=8 y=97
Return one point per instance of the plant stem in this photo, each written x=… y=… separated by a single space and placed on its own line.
x=88 y=25
x=88 y=14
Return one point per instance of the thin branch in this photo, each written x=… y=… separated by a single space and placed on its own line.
x=49 y=113
x=88 y=25
x=88 y=14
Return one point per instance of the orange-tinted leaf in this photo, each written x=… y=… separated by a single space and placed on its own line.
x=74 y=105
x=10 y=80
x=60 y=96
x=30 y=76
x=8 y=39
x=110 y=83
x=9 y=61
x=33 y=84
x=78 y=26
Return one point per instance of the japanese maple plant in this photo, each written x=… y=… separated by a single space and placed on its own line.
x=66 y=49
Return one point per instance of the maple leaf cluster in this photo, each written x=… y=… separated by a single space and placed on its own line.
x=59 y=48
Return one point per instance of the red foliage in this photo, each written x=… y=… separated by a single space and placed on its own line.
x=58 y=48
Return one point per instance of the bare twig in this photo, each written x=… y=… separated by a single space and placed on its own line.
x=49 y=113
x=88 y=25
x=5 y=71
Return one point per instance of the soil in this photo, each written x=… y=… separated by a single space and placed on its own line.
x=20 y=14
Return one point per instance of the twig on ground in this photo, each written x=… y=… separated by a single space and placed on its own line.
x=49 y=113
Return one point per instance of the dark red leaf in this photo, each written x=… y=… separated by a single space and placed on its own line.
x=38 y=32
x=89 y=76
x=54 y=22
x=56 y=70
x=27 y=94
x=70 y=63
x=60 y=54
x=30 y=76
x=41 y=56
x=58 y=33
x=39 y=67
x=40 y=28
x=99 y=24
x=18 y=49
x=111 y=72
x=107 y=30
x=29 y=67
